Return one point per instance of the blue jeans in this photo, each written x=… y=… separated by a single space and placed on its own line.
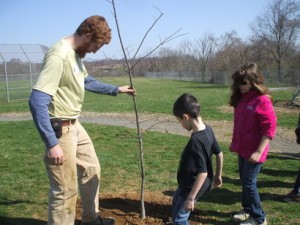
x=297 y=184
x=180 y=215
x=250 y=196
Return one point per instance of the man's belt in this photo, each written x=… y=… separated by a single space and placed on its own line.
x=67 y=122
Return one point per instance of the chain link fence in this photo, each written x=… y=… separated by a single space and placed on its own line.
x=19 y=67
x=290 y=77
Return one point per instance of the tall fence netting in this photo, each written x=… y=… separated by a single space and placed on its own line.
x=19 y=67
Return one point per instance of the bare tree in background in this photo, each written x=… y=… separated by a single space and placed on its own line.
x=277 y=30
x=168 y=59
x=204 y=48
x=187 y=60
x=231 y=52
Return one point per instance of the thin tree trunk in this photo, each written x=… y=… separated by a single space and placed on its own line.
x=129 y=70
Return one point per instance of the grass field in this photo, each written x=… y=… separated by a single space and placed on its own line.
x=24 y=185
x=158 y=96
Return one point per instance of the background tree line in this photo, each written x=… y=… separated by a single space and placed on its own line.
x=273 y=44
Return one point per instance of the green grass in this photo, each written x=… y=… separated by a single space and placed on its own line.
x=158 y=96
x=17 y=90
x=24 y=184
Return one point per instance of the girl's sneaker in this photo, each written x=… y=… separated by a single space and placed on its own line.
x=241 y=216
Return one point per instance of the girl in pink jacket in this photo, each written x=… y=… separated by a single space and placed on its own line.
x=254 y=127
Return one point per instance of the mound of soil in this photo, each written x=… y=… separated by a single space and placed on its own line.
x=125 y=208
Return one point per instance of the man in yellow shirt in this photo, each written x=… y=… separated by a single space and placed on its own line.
x=55 y=103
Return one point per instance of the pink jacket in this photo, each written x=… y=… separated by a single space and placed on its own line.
x=254 y=117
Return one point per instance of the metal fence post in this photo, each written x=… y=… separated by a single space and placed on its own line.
x=6 y=78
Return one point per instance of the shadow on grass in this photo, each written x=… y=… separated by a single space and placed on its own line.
x=14 y=202
x=211 y=217
x=5 y=220
x=26 y=221
x=273 y=184
x=21 y=221
x=284 y=156
x=226 y=196
x=279 y=173
x=217 y=196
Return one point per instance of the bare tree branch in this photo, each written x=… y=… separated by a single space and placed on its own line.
x=167 y=39
x=146 y=34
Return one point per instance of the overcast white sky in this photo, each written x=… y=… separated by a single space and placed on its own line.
x=46 y=21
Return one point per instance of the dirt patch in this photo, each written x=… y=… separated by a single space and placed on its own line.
x=125 y=208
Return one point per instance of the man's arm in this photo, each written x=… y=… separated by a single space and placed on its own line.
x=95 y=86
x=38 y=104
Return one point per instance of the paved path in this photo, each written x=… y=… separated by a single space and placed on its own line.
x=284 y=142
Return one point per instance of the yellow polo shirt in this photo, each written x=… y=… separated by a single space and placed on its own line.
x=62 y=76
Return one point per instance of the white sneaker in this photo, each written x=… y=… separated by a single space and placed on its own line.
x=241 y=216
x=252 y=221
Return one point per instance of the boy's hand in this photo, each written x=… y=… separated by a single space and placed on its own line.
x=189 y=204
x=217 y=182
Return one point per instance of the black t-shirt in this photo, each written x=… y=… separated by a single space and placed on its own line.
x=197 y=158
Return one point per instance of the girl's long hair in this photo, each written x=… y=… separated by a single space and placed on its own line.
x=249 y=72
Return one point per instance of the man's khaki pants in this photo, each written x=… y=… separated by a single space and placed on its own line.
x=81 y=169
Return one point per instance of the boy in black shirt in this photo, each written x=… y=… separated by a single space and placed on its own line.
x=195 y=172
